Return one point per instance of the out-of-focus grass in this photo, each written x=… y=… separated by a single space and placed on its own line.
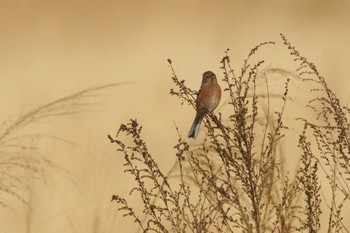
x=23 y=162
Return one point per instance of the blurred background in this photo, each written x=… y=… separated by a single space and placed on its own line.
x=51 y=49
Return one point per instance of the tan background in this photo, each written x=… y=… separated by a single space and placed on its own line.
x=49 y=49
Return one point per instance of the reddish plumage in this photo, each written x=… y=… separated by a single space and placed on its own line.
x=208 y=99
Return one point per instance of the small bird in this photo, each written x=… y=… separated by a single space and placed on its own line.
x=208 y=99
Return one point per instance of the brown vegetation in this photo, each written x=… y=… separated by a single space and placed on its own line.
x=235 y=180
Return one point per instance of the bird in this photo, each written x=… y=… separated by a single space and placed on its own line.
x=208 y=99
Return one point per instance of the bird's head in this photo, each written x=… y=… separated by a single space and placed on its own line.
x=208 y=77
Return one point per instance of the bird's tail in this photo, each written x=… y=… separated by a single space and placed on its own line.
x=195 y=126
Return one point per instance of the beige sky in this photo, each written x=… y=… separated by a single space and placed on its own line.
x=49 y=49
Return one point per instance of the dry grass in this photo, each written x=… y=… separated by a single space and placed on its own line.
x=235 y=180
x=21 y=160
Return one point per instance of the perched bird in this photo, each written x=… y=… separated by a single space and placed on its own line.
x=208 y=99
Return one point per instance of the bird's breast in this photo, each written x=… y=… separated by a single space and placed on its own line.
x=209 y=98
